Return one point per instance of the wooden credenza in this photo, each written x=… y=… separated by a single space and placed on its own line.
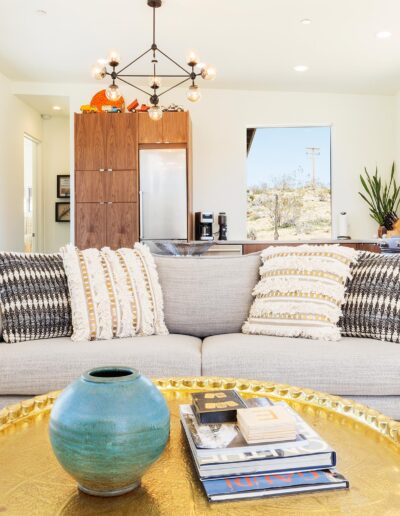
x=107 y=172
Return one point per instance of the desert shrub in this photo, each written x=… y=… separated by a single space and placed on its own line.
x=289 y=209
x=251 y=234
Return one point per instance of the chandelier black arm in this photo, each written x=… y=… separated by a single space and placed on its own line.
x=134 y=61
x=147 y=75
x=175 y=63
x=172 y=87
x=136 y=87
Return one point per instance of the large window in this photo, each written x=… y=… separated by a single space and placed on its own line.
x=288 y=183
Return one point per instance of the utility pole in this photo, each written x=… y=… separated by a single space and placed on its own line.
x=312 y=152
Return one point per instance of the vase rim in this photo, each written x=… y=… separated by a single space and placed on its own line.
x=110 y=374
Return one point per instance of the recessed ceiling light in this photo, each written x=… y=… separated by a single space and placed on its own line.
x=56 y=108
x=40 y=12
x=300 y=68
x=306 y=21
x=383 y=34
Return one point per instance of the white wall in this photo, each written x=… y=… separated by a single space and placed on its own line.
x=363 y=134
x=55 y=160
x=16 y=118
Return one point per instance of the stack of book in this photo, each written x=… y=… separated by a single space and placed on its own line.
x=230 y=468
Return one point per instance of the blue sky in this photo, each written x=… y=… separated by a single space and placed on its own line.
x=280 y=151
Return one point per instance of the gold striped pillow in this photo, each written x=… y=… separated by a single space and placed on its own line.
x=300 y=292
x=113 y=293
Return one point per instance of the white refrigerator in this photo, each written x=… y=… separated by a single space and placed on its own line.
x=163 y=194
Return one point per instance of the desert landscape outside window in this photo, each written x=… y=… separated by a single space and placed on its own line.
x=289 y=183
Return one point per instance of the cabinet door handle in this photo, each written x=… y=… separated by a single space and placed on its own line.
x=109 y=170
x=109 y=202
x=101 y=169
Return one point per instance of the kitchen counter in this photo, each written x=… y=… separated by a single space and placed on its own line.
x=229 y=247
x=291 y=242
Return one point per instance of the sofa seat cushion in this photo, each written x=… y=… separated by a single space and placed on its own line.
x=37 y=367
x=350 y=366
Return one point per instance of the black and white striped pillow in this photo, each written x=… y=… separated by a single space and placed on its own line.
x=372 y=300
x=34 y=297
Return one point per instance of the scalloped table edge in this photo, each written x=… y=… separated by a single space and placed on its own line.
x=349 y=408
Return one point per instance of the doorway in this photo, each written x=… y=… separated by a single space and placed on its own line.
x=30 y=193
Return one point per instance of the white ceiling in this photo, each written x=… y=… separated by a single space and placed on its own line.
x=253 y=43
x=44 y=104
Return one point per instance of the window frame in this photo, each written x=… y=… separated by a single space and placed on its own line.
x=298 y=126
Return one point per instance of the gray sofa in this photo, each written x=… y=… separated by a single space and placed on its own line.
x=206 y=301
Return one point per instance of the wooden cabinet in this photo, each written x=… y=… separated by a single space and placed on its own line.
x=107 y=176
x=149 y=131
x=90 y=149
x=172 y=128
x=121 y=141
x=122 y=230
x=122 y=186
x=90 y=186
x=106 y=180
x=90 y=225
x=106 y=141
x=106 y=186
x=106 y=224
x=175 y=127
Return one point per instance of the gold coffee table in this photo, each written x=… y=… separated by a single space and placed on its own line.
x=367 y=443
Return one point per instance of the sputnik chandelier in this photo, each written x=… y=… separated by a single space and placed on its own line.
x=207 y=72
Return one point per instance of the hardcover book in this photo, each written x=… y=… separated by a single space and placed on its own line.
x=224 y=438
x=308 y=452
x=217 y=406
x=273 y=485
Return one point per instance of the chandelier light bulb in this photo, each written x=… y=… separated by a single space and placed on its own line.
x=154 y=82
x=113 y=93
x=113 y=58
x=193 y=93
x=208 y=73
x=155 y=113
x=192 y=58
x=98 y=71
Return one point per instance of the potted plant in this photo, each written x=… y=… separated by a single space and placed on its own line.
x=382 y=198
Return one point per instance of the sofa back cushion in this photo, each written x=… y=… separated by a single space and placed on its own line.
x=34 y=297
x=207 y=295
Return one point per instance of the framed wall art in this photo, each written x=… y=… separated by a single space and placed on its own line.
x=63 y=212
x=63 y=186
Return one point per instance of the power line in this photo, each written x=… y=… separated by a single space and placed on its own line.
x=312 y=153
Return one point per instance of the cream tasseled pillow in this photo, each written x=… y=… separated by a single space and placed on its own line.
x=113 y=293
x=300 y=292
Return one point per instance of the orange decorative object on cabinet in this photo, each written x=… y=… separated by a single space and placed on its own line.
x=100 y=99
x=133 y=105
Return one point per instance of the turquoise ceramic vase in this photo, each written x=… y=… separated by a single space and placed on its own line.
x=107 y=428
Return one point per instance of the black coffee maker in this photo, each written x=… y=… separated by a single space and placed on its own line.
x=203 y=225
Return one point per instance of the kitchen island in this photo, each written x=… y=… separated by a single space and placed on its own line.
x=229 y=247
